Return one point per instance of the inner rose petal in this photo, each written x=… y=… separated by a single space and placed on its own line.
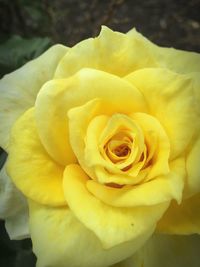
x=118 y=148
x=121 y=142
x=126 y=149
x=115 y=149
x=157 y=143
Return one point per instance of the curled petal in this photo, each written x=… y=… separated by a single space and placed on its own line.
x=160 y=154
x=158 y=190
x=99 y=131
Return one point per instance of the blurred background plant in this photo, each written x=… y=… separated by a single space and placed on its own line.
x=29 y=27
x=23 y=32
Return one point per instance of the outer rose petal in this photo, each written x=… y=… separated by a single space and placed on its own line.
x=60 y=240
x=19 y=89
x=193 y=170
x=127 y=53
x=17 y=226
x=166 y=251
x=13 y=208
x=171 y=99
x=58 y=96
x=112 y=225
x=192 y=183
x=11 y=199
x=29 y=165
x=196 y=86
x=183 y=219
x=176 y=60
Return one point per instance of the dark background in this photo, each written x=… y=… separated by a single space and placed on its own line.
x=166 y=22
x=29 y=27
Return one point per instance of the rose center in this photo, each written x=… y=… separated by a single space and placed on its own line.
x=118 y=148
x=122 y=150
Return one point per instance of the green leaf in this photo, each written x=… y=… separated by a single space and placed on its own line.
x=16 y=51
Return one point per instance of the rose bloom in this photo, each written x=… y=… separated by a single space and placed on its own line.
x=103 y=143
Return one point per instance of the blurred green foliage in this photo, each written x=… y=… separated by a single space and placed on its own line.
x=19 y=46
x=16 y=51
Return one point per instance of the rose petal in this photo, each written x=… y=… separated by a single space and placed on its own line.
x=192 y=185
x=85 y=128
x=160 y=159
x=155 y=191
x=127 y=52
x=31 y=168
x=58 y=96
x=96 y=136
x=60 y=239
x=112 y=225
x=165 y=251
x=13 y=208
x=79 y=118
x=182 y=219
x=19 y=89
x=17 y=226
x=176 y=60
x=11 y=199
x=171 y=99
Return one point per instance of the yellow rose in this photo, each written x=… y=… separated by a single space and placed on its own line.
x=105 y=148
